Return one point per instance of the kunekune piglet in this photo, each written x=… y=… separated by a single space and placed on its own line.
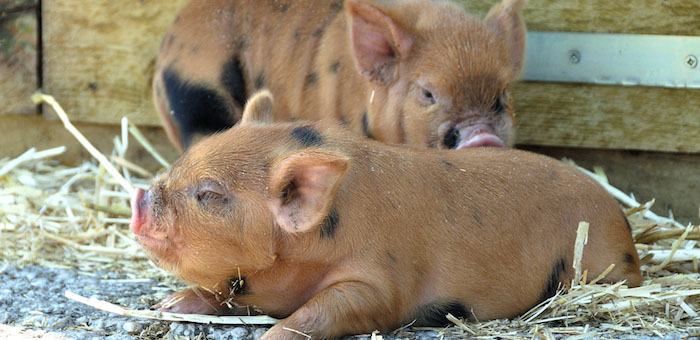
x=338 y=234
x=418 y=72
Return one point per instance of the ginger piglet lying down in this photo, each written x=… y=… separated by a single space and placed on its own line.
x=337 y=234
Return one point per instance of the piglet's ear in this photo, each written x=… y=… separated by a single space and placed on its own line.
x=505 y=20
x=378 y=41
x=258 y=109
x=302 y=188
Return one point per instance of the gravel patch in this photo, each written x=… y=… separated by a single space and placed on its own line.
x=33 y=306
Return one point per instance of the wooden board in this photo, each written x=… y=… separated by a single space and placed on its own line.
x=99 y=56
x=18 y=56
x=668 y=17
x=611 y=117
x=19 y=133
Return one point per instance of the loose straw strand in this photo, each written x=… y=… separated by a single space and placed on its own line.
x=48 y=99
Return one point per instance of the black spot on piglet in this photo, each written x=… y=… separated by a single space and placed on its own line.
x=335 y=67
x=336 y=5
x=195 y=108
x=311 y=79
x=435 y=314
x=232 y=79
x=330 y=224
x=553 y=282
x=307 y=136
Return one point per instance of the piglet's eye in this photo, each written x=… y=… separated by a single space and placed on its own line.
x=204 y=196
x=499 y=105
x=427 y=96
x=210 y=191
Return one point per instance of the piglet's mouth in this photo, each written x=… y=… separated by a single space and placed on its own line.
x=482 y=139
x=473 y=135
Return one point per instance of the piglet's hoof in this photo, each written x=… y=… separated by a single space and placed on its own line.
x=199 y=301
x=190 y=301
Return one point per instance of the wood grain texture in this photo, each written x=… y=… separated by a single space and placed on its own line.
x=18 y=59
x=668 y=17
x=611 y=117
x=99 y=56
x=19 y=133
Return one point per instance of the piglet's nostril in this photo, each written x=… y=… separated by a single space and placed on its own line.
x=451 y=138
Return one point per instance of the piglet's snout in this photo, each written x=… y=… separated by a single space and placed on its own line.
x=138 y=211
x=146 y=225
x=478 y=135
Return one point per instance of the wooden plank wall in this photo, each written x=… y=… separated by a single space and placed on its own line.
x=99 y=56
x=19 y=133
x=668 y=17
x=18 y=56
x=21 y=127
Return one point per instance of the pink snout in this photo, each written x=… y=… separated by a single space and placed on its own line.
x=478 y=135
x=148 y=231
x=137 y=211
x=484 y=139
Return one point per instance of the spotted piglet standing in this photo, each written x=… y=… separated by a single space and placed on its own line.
x=340 y=235
x=419 y=72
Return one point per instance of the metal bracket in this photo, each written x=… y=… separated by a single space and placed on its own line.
x=620 y=59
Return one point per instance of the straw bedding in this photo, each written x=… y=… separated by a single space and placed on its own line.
x=77 y=217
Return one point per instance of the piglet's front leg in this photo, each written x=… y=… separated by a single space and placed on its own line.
x=341 y=309
x=199 y=301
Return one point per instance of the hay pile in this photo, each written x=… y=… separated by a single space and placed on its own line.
x=77 y=217
x=66 y=217
x=73 y=217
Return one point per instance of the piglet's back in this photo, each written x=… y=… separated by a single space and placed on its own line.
x=504 y=220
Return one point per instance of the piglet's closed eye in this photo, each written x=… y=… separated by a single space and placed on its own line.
x=303 y=186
